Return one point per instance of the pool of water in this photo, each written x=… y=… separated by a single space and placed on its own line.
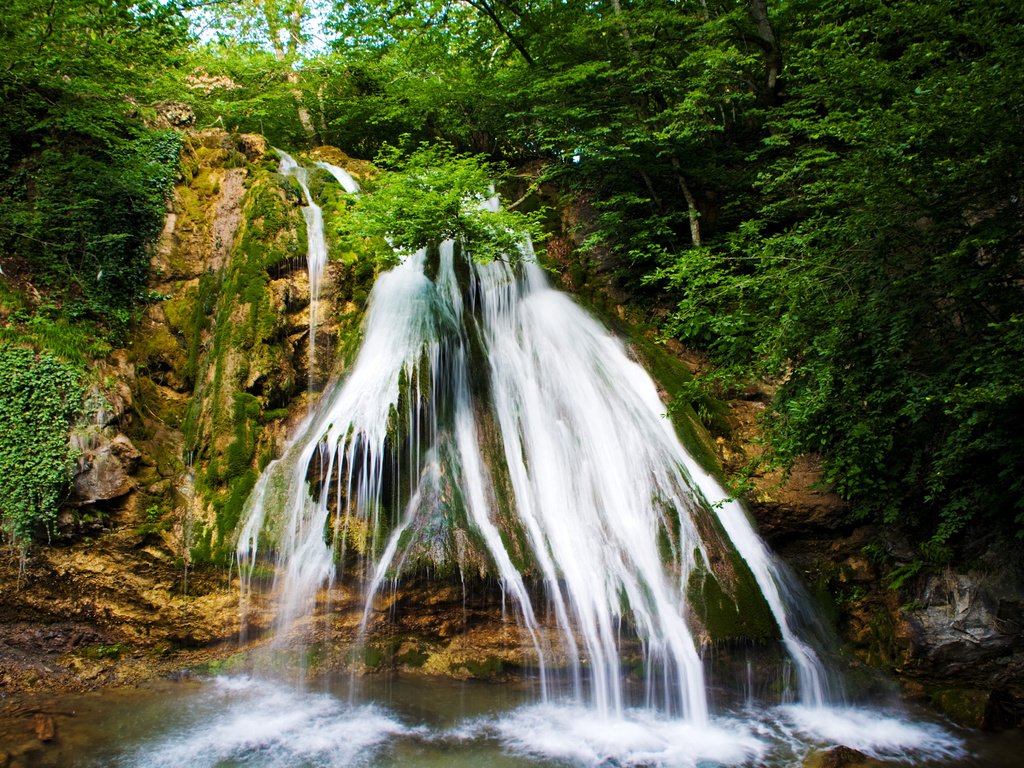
x=229 y=722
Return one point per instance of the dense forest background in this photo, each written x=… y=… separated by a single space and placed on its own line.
x=825 y=195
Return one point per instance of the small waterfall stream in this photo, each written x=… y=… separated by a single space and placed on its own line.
x=316 y=247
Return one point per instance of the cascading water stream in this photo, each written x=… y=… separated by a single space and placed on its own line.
x=598 y=476
x=340 y=175
x=316 y=247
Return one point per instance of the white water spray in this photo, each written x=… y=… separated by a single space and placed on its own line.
x=342 y=176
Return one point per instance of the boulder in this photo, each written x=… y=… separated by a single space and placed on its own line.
x=45 y=728
x=105 y=470
x=962 y=620
x=840 y=757
x=173 y=114
x=253 y=146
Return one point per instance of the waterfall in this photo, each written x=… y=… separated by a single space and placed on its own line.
x=491 y=427
x=608 y=500
x=316 y=247
x=340 y=175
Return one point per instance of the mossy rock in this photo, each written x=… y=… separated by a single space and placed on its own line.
x=487 y=668
x=414 y=658
x=163 y=403
x=739 y=614
x=840 y=757
x=965 y=706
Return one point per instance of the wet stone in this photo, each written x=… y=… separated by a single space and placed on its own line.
x=45 y=728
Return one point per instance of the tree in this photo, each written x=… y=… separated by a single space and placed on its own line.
x=433 y=194
x=879 y=280
x=83 y=183
x=242 y=30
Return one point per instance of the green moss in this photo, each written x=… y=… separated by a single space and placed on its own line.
x=234 y=663
x=965 y=706
x=483 y=669
x=739 y=615
x=689 y=419
x=373 y=657
x=180 y=309
x=154 y=402
x=415 y=657
x=201 y=549
x=274 y=414
x=231 y=512
x=246 y=343
x=115 y=651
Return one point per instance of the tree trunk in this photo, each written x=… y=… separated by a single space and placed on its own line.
x=758 y=11
x=691 y=203
x=491 y=12
x=286 y=52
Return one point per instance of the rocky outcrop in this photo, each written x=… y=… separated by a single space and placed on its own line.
x=961 y=642
x=967 y=625
x=841 y=757
x=106 y=470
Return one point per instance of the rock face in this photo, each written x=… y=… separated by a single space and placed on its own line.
x=106 y=470
x=961 y=640
x=967 y=624
x=175 y=428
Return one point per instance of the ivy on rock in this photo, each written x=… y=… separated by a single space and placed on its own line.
x=39 y=397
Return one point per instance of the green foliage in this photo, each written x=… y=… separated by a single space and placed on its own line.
x=83 y=183
x=53 y=329
x=244 y=88
x=39 y=396
x=85 y=219
x=879 y=278
x=433 y=194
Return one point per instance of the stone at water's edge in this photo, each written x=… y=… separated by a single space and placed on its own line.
x=44 y=727
x=840 y=757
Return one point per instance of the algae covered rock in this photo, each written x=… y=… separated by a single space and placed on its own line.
x=840 y=757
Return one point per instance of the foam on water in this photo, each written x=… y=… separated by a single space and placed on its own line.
x=577 y=736
x=251 y=722
x=873 y=732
